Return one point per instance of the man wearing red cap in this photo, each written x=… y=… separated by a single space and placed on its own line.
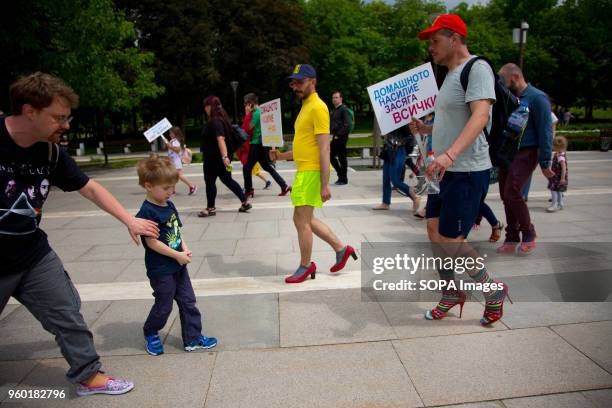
x=462 y=164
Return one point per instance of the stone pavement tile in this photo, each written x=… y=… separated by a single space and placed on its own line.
x=534 y=314
x=600 y=398
x=269 y=246
x=94 y=222
x=193 y=232
x=254 y=322
x=376 y=223
x=11 y=374
x=601 y=210
x=551 y=229
x=119 y=330
x=262 y=229
x=54 y=223
x=592 y=339
x=165 y=381
x=236 y=265
x=95 y=271
x=360 y=211
x=94 y=236
x=567 y=400
x=595 y=226
x=23 y=337
x=112 y=251
x=330 y=317
x=213 y=247
x=486 y=404
x=410 y=235
x=137 y=272
x=355 y=375
x=496 y=365
x=234 y=230
x=69 y=253
x=408 y=321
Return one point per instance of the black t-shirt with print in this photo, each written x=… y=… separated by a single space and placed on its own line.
x=26 y=176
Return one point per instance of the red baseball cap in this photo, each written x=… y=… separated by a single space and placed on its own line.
x=450 y=21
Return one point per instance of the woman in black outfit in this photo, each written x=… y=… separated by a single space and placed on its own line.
x=217 y=162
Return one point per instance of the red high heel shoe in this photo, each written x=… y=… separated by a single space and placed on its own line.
x=494 y=309
x=312 y=271
x=443 y=307
x=350 y=251
x=285 y=191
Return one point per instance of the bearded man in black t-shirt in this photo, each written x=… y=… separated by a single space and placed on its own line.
x=31 y=162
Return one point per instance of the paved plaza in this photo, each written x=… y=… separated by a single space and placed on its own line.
x=319 y=343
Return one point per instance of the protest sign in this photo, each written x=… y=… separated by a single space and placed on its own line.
x=157 y=130
x=410 y=94
x=271 y=123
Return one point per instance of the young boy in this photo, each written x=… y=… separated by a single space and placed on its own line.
x=166 y=260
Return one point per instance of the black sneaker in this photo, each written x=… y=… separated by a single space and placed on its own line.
x=340 y=183
x=245 y=207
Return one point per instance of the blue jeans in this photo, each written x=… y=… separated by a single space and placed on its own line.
x=167 y=289
x=392 y=172
x=488 y=214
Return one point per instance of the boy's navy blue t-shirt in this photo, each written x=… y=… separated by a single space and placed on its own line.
x=169 y=223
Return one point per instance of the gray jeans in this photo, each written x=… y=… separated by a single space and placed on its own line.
x=47 y=292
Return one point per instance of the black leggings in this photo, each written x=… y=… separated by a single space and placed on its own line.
x=212 y=170
x=259 y=153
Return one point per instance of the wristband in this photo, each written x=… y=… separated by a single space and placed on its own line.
x=224 y=157
x=449 y=156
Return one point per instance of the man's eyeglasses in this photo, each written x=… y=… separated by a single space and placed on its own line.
x=61 y=119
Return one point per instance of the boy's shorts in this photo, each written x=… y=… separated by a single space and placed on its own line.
x=458 y=203
x=306 y=189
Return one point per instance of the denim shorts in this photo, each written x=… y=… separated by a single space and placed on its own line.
x=458 y=203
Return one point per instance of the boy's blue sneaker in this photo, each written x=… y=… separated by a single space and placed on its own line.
x=153 y=345
x=201 y=343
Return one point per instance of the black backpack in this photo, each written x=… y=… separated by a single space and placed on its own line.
x=238 y=137
x=505 y=103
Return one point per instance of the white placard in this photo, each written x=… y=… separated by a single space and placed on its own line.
x=271 y=123
x=157 y=130
x=397 y=99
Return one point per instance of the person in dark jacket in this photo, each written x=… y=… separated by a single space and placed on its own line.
x=340 y=125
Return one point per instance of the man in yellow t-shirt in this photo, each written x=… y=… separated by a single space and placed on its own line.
x=311 y=145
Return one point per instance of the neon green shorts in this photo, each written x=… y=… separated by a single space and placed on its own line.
x=306 y=189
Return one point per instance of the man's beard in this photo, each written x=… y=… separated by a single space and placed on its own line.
x=55 y=137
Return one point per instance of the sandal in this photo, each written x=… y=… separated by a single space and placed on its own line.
x=209 y=212
x=496 y=232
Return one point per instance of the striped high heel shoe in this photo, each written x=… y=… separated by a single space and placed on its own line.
x=494 y=309
x=449 y=300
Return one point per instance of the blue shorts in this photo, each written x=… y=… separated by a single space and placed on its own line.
x=458 y=203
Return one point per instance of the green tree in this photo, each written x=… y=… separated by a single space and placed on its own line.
x=86 y=42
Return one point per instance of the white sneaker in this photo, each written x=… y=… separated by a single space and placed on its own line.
x=553 y=208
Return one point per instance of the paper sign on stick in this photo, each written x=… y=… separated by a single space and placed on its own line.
x=271 y=123
x=410 y=94
x=157 y=130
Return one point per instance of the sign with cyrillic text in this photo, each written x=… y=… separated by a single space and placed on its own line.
x=271 y=123
x=157 y=130
x=398 y=99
